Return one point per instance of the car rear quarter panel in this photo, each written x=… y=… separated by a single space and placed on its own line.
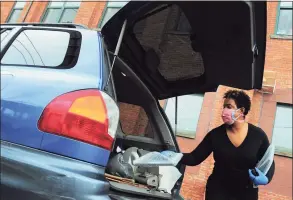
x=36 y=175
x=30 y=89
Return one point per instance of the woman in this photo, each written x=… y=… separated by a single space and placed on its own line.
x=237 y=146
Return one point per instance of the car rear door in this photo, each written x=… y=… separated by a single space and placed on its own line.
x=222 y=43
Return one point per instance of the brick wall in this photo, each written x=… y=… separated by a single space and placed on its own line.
x=35 y=13
x=6 y=8
x=262 y=114
x=278 y=58
x=279 y=51
x=88 y=14
x=133 y=119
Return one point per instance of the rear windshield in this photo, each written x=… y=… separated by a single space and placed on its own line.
x=4 y=33
x=165 y=35
x=40 y=48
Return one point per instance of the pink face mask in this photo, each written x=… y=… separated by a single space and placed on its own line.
x=228 y=116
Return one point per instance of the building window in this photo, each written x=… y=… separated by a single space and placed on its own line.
x=111 y=9
x=61 y=12
x=284 y=19
x=188 y=112
x=282 y=132
x=15 y=13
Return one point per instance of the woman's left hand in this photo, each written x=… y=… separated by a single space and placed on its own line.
x=260 y=179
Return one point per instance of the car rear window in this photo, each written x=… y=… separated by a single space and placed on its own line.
x=167 y=34
x=42 y=48
x=4 y=33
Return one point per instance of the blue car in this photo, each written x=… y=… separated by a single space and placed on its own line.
x=69 y=94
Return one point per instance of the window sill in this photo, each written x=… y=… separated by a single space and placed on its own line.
x=188 y=136
x=284 y=152
x=281 y=37
x=284 y=155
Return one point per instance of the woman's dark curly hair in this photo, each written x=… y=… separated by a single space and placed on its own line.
x=241 y=99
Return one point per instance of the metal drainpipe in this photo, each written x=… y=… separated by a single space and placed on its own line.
x=29 y=8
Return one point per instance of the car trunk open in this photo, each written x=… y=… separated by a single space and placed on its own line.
x=221 y=43
x=143 y=125
x=161 y=56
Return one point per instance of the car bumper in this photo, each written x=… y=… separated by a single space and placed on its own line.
x=31 y=174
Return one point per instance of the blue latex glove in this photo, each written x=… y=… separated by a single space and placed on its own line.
x=261 y=179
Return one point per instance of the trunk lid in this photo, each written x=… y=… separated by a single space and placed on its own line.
x=180 y=48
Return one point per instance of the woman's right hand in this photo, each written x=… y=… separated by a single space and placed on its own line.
x=259 y=178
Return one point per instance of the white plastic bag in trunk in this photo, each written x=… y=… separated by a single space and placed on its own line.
x=158 y=159
x=170 y=176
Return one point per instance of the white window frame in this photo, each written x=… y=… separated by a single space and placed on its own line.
x=18 y=5
x=62 y=7
x=279 y=150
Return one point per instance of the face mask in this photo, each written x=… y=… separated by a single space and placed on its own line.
x=228 y=116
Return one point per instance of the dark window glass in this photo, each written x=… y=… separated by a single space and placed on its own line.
x=14 y=16
x=183 y=24
x=30 y=48
x=160 y=38
x=134 y=121
x=139 y=27
x=52 y=15
x=68 y=15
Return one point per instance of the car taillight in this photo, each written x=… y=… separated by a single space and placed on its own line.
x=90 y=116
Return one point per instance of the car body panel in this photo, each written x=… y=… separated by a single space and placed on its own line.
x=39 y=175
x=25 y=96
x=75 y=149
